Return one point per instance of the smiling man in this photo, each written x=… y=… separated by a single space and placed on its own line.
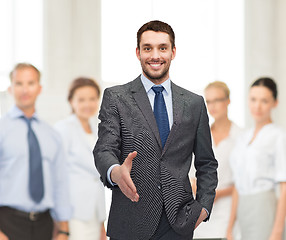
x=150 y=128
x=33 y=178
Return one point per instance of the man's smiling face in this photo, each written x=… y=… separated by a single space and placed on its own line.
x=155 y=55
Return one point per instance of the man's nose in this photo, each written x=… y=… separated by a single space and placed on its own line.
x=155 y=54
x=25 y=89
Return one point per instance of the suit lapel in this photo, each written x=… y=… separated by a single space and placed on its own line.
x=141 y=98
x=178 y=108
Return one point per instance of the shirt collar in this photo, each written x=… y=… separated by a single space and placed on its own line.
x=149 y=84
x=16 y=112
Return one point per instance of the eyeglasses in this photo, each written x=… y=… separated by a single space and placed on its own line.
x=216 y=101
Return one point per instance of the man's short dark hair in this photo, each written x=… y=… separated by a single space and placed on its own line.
x=156 y=26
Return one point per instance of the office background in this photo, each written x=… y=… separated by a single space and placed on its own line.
x=234 y=41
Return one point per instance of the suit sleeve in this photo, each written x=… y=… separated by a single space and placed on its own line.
x=107 y=149
x=205 y=163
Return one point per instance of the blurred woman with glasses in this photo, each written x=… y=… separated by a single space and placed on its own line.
x=224 y=133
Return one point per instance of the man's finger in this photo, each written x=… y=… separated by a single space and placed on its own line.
x=126 y=184
x=129 y=183
x=128 y=190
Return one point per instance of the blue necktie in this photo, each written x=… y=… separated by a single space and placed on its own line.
x=161 y=115
x=36 y=182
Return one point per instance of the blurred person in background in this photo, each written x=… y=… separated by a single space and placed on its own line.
x=79 y=134
x=258 y=163
x=224 y=133
x=33 y=177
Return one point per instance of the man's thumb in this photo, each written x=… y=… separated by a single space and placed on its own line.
x=130 y=157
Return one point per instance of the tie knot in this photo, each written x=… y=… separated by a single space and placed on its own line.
x=157 y=89
x=27 y=120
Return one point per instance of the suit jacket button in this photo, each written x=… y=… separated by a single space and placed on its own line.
x=159 y=187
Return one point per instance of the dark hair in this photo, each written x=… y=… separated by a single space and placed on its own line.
x=156 y=26
x=23 y=66
x=268 y=83
x=82 y=82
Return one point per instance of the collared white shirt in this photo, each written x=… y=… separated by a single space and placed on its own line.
x=258 y=166
x=222 y=152
x=167 y=93
x=216 y=227
x=86 y=189
x=14 y=165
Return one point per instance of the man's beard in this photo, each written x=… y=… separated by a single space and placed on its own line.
x=152 y=77
x=149 y=76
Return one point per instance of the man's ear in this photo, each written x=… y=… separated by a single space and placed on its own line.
x=174 y=52
x=138 y=53
x=39 y=90
x=9 y=89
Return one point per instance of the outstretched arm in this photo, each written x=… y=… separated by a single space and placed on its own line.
x=121 y=176
x=107 y=151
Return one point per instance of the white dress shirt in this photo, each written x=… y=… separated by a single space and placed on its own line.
x=216 y=227
x=14 y=165
x=86 y=189
x=258 y=166
x=222 y=153
x=167 y=93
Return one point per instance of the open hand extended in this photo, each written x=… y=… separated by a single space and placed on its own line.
x=121 y=176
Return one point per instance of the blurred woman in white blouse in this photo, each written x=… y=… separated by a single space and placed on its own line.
x=224 y=133
x=258 y=163
x=79 y=134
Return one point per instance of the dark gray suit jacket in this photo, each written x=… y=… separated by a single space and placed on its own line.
x=160 y=175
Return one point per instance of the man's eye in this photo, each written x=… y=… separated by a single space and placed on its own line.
x=163 y=49
x=147 y=49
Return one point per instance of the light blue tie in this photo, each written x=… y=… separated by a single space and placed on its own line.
x=36 y=182
x=161 y=115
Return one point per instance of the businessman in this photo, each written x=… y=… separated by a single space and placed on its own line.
x=33 y=178
x=150 y=129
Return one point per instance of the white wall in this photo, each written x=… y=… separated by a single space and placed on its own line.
x=72 y=48
x=280 y=57
x=209 y=40
x=265 y=52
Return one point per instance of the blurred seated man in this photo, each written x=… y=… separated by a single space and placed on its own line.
x=33 y=183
